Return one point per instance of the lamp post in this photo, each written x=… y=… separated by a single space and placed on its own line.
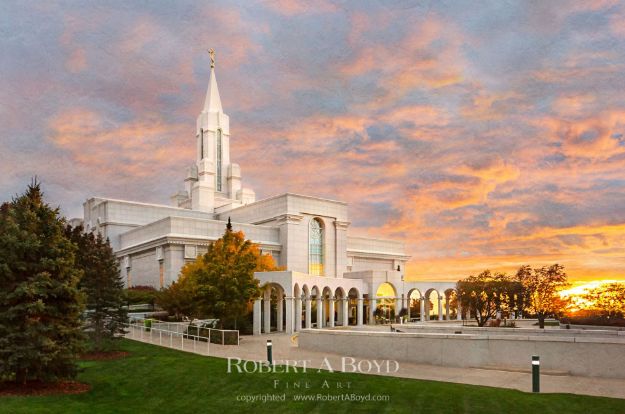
x=535 y=373
x=269 y=352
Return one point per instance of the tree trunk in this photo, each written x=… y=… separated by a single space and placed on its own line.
x=21 y=375
x=541 y=320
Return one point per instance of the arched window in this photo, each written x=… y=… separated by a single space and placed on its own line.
x=315 y=248
x=219 y=156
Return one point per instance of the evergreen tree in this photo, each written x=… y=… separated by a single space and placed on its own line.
x=102 y=285
x=40 y=305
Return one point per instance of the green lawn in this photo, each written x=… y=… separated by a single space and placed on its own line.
x=160 y=380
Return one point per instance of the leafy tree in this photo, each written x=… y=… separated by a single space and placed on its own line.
x=541 y=288
x=178 y=298
x=139 y=295
x=40 y=304
x=102 y=285
x=221 y=283
x=609 y=299
x=486 y=294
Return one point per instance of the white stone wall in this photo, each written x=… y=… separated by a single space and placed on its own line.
x=174 y=260
x=196 y=228
x=115 y=217
x=144 y=269
x=365 y=263
x=585 y=356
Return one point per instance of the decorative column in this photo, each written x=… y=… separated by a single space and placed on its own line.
x=359 y=311
x=319 y=312
x=345 y=312
x=308 y=312
x=289 y=314
x=399 y=304
x=298 y=314
x=257 y=316
x=372 y=306
x=267 y=311
x=459 y=312
x=408 y=309
x=422 y=306
x=440 y=308
x=447 y=307
x=280 y=316
x=331 y=312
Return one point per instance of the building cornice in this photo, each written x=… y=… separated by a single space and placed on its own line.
x=342 y=225
x=289 y=219
x=181 y=241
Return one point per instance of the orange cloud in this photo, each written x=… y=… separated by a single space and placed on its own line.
x=295 y=7
x=131 y=149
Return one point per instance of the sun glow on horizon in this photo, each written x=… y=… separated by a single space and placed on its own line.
x=580 y=288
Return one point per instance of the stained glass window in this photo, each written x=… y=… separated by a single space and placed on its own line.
x=315 y=248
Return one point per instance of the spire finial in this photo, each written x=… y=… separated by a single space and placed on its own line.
x=229 y=225
x=211 y=53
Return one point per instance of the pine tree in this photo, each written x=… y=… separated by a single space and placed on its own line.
x=102 y=285
x=40 y=305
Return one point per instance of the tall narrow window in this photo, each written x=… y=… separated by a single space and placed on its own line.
x=219 y=151
x=315 y=248
x=161 y=273
x=201 y=144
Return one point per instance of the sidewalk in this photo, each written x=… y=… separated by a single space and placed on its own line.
x=285 y=347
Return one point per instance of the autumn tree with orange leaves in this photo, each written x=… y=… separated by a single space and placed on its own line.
x=609 y=299
x=219 y=284
x=541 y=288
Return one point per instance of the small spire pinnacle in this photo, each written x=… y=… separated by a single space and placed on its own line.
x=229 y=225
x=212 y=103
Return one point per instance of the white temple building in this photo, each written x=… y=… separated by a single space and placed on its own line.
x=332 y=278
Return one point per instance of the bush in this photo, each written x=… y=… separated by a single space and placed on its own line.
x=140 y=294
x=594 y=320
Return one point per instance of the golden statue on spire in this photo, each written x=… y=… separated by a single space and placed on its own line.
x=211 y=53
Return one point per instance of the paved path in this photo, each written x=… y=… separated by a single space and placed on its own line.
x=285 y=347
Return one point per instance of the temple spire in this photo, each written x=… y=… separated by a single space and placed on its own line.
x=213 y=101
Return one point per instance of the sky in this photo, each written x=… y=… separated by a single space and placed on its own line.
x=484 y=134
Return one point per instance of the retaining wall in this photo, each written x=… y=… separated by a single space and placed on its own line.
x=583 y=355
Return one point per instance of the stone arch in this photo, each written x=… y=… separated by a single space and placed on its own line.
x=414 y=298
x=433 y=305
x=315 y=291
x=385 y=302
x=341 y=305
x=453 y=309
x=273 y=307
x=354 y=307
x=328 y=310
x=316 y=306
